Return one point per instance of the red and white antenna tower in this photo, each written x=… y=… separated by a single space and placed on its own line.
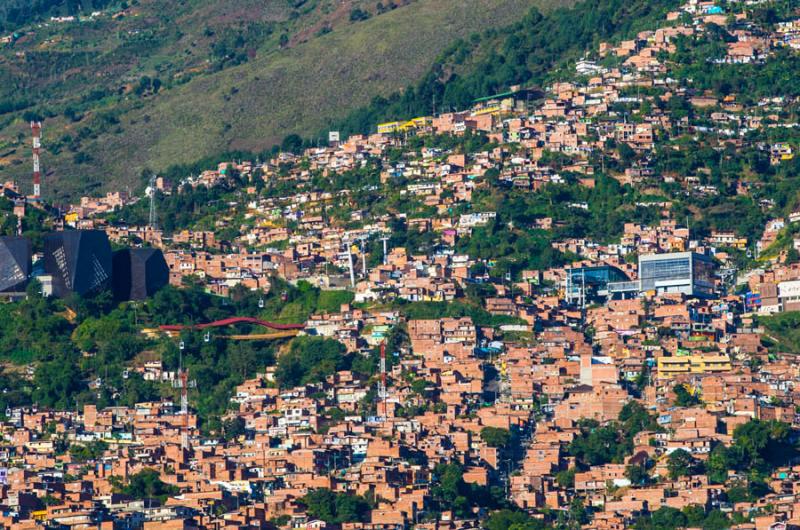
x=184 y=384
x=36 y=132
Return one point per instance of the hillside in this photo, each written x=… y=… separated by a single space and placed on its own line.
x=531 y=51
x=144 y=86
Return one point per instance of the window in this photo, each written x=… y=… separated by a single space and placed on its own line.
x=655 y=271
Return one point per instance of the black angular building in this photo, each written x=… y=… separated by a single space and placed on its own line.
x=78 y=260
x=15 y=263
x=139 y=273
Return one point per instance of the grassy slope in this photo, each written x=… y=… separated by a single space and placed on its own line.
x=784 y=330
x=300 y=89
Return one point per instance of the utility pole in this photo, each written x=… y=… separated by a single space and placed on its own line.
x=382 y=385
x=350 y=264
x=184 y=410
x=583 y=295
x=36 y=132
x=385 y=253
x=153 y=218
x=363 y=260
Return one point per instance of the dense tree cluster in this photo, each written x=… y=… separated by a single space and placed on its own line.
x=15 y=13
x=337 y=508
x=496 y=436
x=81 y=349
x=450 y=492
x=146 y=484
x=598 y=445
x=667 y=518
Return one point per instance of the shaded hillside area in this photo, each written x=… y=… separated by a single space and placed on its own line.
x=150 y=84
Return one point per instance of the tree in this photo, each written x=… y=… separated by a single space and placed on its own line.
x=57 y=382
x=336 y=508
x=292 y=144
x=764 y=444
x=626 y=153
x=718 y=464
x=665 y=518
x=599 y=445
x=680 y=464
x=612 y=442
x=512 y=520
x=357 y=14
x=575 y=517
x=91 y=451
x=147 y=484
x=635 y=419
x=792 y=255
x=310 y=360
x=637 y=474
x=739 y=492
x=695 y=515
x=495 y=436
x=684 y=398
x=452 y=493
x=716 y=520
x=234 y=427
x=566 y=478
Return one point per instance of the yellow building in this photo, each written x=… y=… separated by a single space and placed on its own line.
x=781 y=152
x=669 y=367
x=489 y=109
x=404 y=126
x=416 y=123
x=71 y=218
x=388 y=127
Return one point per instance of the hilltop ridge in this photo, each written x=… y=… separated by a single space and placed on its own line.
x=144 y=87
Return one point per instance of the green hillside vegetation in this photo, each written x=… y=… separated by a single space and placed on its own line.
x=782 y=331
x=155 y=87
x=529 y=52
x=17 y=13
x=69 y=353
x=497 y=59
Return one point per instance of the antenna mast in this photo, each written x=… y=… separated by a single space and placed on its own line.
x=183 y=383
x=350 y=265
x=36 y=133
x=363 y=260
x=152 y=220
x=185 y=409
x=385 y=255
x=382 y=385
